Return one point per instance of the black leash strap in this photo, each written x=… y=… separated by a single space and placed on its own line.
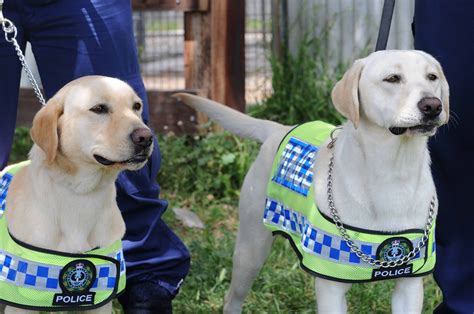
x=385 y=22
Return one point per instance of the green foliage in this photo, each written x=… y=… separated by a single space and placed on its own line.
x=252 y=25
x=22 y=143
x=302 y=84
x=158 y=25
x=212 y=164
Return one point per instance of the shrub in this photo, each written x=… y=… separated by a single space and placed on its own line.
x=210 y=164
x=302 y=85
x=22 y=143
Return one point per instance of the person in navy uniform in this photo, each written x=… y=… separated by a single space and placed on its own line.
x=445 y=29
x=71 y=39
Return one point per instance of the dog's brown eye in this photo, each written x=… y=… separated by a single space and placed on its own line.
x=100 y=109
x=394 y=78
x=137 y=106
x=432 y=77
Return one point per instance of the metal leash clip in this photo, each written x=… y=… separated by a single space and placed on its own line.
x=333 y=137
x=9 y=28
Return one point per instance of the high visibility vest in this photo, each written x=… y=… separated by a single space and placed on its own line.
x=46 y=280
x=291 y=211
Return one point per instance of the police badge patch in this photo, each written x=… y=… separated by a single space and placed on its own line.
x=391 y=250
x=75 y=280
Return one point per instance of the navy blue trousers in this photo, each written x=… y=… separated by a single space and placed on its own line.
x=70 y=39
x=445 y=29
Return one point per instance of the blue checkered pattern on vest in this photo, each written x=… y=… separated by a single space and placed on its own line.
x=22 y=272
x=317 y=241
x=106 y=275
x=295 y=166
x=4 y=183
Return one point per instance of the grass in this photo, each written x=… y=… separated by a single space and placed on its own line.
x=257 y=25
x=163 y=26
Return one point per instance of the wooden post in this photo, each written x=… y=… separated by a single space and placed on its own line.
x=214 y=55
x=197 y=56
x=276 y=35
x=228 y=52
x=197 y=53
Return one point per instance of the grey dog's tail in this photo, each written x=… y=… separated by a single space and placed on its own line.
x=232 y=120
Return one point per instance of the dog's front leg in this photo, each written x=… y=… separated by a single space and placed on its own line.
x=331 y=296
x=15 y=310
x=408 y=295
x=105 y=309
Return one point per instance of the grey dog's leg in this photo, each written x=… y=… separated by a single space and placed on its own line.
x=15 y=310
x=253 y=242
x=331 y=296
x=251 y=251
x=407 y=297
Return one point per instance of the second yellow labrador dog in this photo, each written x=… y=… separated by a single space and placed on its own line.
x=373 y=183
x=64 y=200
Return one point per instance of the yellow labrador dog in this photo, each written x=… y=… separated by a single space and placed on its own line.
x=381 y=179
x=65 y=199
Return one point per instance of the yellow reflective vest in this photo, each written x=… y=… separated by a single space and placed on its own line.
x=44 y=280
x=291 y=211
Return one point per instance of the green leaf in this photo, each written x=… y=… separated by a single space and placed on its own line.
x=228 y=158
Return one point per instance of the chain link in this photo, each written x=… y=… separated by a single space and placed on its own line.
x=10 y=35
x=365 y=257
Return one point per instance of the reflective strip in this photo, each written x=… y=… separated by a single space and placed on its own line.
x=4 y=183
x=29 y=274
x=119 y=257
x=295 y=168
x=106 y=275
x=317 y=241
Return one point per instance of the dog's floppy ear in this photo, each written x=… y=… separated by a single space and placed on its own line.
x=345 y=95
x=45 y=126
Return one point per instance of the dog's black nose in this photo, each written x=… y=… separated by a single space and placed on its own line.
x=430 y=107
x=142 y=138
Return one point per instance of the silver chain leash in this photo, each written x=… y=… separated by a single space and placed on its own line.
x=350 y=243
x=10 y=36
